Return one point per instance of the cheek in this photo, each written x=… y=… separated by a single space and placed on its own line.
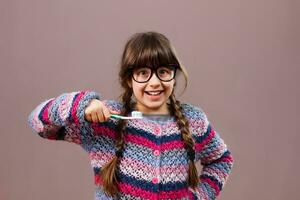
x=138 y=90
x=169 y=87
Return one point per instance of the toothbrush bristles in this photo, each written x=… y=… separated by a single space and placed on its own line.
x=136 y=114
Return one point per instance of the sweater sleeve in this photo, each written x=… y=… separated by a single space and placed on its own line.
x=61 y=118
x=217 y=162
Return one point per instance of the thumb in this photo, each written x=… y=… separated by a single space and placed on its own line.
x=116 y=112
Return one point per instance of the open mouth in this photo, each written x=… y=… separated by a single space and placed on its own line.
x=154 y=93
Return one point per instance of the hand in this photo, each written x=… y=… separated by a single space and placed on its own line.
x=96 y=111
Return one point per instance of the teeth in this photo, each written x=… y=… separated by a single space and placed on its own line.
x=153 y=93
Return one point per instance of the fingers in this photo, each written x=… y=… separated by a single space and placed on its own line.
x=95 y=117
x=87 y=114
x=98 y=112
x=90 y=114
x=106 y=113
x=88 y=117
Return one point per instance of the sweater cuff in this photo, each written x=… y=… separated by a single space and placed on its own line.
x=81 y=102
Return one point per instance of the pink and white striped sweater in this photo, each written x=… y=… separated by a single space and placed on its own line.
x=154 y=162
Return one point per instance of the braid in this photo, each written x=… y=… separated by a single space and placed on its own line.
x=109 y=171
x=193 y=179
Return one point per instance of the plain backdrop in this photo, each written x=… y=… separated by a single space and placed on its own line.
x=242 y=58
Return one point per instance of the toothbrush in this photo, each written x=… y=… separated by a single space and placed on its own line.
x=134 y=115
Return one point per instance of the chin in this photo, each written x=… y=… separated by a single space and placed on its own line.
x=154 y=105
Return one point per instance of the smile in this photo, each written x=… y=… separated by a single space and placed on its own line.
x=154 y=93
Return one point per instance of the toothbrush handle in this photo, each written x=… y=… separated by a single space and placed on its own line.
x=116 y=116
x=123 y=117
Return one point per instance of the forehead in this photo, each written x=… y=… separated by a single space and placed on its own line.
x=152 y=65
x=163 y=66
x=153 y=57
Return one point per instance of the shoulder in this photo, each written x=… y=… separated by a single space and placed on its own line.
x=193 y=112
x=196 y=117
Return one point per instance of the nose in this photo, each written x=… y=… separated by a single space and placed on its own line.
x=154 y=80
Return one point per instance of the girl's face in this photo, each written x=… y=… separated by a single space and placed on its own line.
x=152 y=96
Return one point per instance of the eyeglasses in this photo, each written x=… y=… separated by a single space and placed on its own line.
x=164 y=73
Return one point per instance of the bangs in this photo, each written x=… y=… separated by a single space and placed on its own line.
x=152 y=53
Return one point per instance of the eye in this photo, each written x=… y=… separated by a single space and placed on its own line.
x=164 y=70
x=142 y=72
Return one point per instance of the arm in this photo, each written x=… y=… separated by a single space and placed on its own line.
x=217 y=163
x=211 y=150
x=60 y=118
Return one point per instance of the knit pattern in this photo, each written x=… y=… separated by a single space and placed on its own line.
x=154 y=163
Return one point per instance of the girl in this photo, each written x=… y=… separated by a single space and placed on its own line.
x=152 y=157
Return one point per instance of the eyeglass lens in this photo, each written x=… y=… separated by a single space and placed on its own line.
x=143 y=74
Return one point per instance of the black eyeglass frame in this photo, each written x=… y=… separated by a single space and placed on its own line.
x=174 y=66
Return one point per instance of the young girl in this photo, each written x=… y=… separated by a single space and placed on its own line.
x=152 y=157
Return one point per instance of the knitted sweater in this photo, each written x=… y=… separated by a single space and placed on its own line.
x=154 y=163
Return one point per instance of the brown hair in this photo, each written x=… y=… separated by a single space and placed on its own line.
x=147 y=49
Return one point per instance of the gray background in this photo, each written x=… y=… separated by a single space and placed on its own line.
x=243 y=61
